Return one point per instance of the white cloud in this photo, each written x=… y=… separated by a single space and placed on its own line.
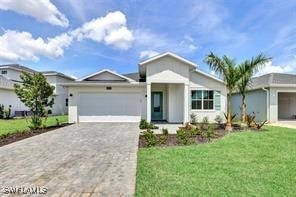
x=187 y=44
x=42 y=10
x=148 y=54
x=109 y=30
x=22 y=46
x=270 y=68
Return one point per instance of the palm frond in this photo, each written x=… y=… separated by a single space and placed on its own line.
x=247 y=69
x=216 y=64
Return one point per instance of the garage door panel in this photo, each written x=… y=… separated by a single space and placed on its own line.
x=109 y=118
x=109 y=107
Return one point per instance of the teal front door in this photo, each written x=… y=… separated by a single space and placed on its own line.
x=156 y=106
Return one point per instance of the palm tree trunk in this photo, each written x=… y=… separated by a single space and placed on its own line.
x=228 y=126
x=243 y=110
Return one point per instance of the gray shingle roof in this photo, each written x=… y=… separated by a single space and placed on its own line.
x=273 y=79
x=17 y=66
x=57 y=73
x=134 y=76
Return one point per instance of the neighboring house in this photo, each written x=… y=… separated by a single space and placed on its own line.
x=10 y=74
x=272 y=97
x=166 y=88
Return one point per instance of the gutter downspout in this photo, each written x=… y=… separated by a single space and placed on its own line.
x=267 y=104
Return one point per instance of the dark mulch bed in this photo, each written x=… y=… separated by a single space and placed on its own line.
x=13 y=137
x=198 y=139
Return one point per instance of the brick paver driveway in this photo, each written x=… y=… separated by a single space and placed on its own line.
x=97 y=159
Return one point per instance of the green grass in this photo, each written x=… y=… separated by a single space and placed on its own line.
x=240 y=164
x=17 y=125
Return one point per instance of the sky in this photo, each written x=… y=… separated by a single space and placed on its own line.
x=79 y=37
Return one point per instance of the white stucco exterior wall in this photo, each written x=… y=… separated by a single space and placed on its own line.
x=61 y=94
x=176 y=103
x=8 y=97
x=201 y=82
x=11 y=74
x=167 y=70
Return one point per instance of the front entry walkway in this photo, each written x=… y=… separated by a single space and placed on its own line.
x=285 y=123
x=89 y=159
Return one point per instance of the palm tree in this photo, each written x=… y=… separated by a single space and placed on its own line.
x=246 y=72
x=226 y=68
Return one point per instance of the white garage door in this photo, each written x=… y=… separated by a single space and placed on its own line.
x=109 y=107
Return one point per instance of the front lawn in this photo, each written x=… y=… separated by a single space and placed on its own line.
x=16 y=125
x=240 y=164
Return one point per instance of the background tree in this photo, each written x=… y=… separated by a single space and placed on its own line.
x=247 y=69
x=36 y=94
x=226 y=68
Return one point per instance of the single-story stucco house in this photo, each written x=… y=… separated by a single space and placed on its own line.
x=10 y=75
x=167 y=87
x=271 y=97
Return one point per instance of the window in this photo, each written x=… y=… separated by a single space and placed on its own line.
x=67 y=102
x=208 y=99
x=196 y=99
x=4 y=72
x=202 y=99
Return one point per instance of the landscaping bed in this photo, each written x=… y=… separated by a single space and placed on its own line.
x=13 y=137
x=13 y=130
x=172 y=139
x=189 y=134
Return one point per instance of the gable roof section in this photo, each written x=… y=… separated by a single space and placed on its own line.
x=168 y=54
x=117 y=77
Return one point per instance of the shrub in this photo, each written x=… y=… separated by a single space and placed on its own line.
x=149 y=137
x=143 y=124
x=205 y=123
x=184 y=136
x=232 y=116
x=251 y=120
x=260 y=125
x=193 y=118
x=7 y=113
x=146 y=125
x=210 y=133
x=218 y=119
x=164 y=137
x=1 y=111
x=181 y=136
x=190 y=129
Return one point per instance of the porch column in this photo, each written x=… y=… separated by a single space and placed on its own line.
x=186 y=103
x=148 y=87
